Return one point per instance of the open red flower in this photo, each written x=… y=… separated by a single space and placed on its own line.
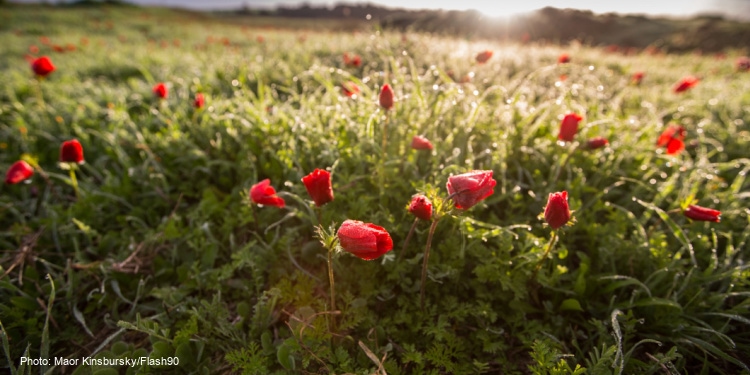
x=685 y=84
x=596 y=142
x=42 y=66
x=71 y=152
x=557 y=212
x=199 y=101
x=699 y=213
x=563 y=58
x=19 y=171
x=637 y=78
x=483 y=56
x=421 y=207
x=263 y=193
x=318 y=185
x=349 y=89
x=364 y=240
x=470 y=188
x=386 y=97
x=160 y=90
x=421 y=143
x=569 y=127
x=672 y=138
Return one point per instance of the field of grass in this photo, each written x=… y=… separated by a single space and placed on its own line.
x=163 y=255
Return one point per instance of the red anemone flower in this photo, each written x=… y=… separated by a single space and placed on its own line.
x=71 y=152
x=743 y=64
x=354 y=60
x=263 y=193
x=685 y=84
x=569 y=127
x=470 y=188
x=557 y=212
x=483 y=56
x=596 y=142
x=421 y=207
x=199 y=101
x=699 y=213
x=421 y=143
x=672 y=138
x=19 y=171
x=160 y=90
x=637 y=78
x=563 y=58
x=42 y=66
x=364 y=240
x=349 y=89
x=386 y=97
x=318 y=185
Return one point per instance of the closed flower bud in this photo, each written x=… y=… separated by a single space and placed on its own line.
x=318 y=185
x=19 y=171
x=421 y=207
x=71 y=152
x=420 y=143
x=483 y=56
x=685 y=84
x=596 y=142
x=364 y=240
x=386 y=97
x=672 y=138
x=263 y=193
x=199 y=101
x=557 y=212
x=470 y=188
x=699 y=213
x=569 y=127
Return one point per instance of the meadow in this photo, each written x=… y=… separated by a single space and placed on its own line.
x=156 y=249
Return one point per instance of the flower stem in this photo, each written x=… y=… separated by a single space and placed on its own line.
x=319 y=214
x=424 y=262
x=333 y=290
x=563 y=164
x=74 y=181
x=546 y=252
x=408 y=237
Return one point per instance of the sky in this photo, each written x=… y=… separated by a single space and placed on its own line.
x=732 y=8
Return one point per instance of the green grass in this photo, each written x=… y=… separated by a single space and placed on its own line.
x=162 y=254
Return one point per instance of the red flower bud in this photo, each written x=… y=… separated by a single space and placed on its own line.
x=563 y=59
x=637 y=78
x=470 y=188
x=364 y=240
x=18 y=172
x=349 y=89
x=421 y=207
x=557 y=212
x=354 y=60
x=160 y=90
x=673 y=139
x=420 y=143
x=318 y=185
x=483 y=56
x=42 y=66
x=386 y=97
x=743 y=64
x=263 y=193
x=569 y=127
x=71 y=152
x=699 y=213
x=685 y=84
x=596 y=142
x=199 y=101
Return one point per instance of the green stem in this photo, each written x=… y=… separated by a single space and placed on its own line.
x=74 y=181
x=333 y=290
x=39 y=95
x=318 y=213
x=563 y=164
x=546 y=252
x=408 y=237
x=424 y=262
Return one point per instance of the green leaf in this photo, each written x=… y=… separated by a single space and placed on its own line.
x=571 y=304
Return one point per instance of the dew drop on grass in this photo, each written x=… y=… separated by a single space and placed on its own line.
x=652 y=181
x=536 y=243
x=591 y=67
x=235 y=83
x=475 y=92
x=663 y=174
x=600 y=88
x=644 y=167
x=713 y=101
x=435 y=87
